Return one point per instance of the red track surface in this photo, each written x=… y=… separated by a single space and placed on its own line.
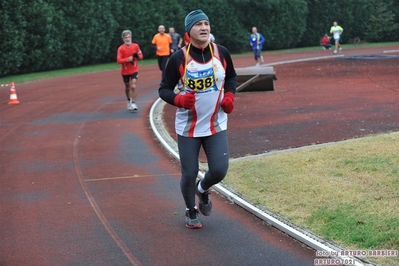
x=315 y=102
x=85 y=182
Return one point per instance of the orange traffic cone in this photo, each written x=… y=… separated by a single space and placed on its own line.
x=13 y=95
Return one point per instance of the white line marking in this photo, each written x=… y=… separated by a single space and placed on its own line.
x=391 y=51
x=125 y=249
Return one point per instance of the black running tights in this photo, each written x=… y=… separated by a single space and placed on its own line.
x=217 y=153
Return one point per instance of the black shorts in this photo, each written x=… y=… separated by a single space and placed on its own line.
x=127 y=78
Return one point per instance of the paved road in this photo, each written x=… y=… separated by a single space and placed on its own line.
x=85 y=182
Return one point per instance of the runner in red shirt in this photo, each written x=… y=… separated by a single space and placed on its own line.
x=326 y=42
x=128 y=55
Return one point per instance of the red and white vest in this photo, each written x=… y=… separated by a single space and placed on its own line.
x=207 y=79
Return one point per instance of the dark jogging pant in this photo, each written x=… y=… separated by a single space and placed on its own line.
x=217 y=152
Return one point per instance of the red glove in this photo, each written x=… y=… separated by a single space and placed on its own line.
x=228 y=102
x=185 y=101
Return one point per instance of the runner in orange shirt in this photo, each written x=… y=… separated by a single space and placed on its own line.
x=128 y=55
x=162 y=44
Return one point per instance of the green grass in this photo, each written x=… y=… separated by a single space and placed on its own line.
x=67 y=72
x=355 y=227
x=347 y=193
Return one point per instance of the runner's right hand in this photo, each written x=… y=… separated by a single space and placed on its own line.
x=185 y=101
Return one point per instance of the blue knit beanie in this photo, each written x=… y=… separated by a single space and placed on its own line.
x=193 y=17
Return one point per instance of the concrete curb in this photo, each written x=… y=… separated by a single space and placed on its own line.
x=299 y=234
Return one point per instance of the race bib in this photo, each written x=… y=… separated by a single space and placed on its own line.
x=200 y=84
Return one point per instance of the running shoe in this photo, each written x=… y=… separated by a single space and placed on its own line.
x=205 y=203
x=335 y=51
x=192 y=220
x=134 y=106
x=261 y=59
x=129 y=105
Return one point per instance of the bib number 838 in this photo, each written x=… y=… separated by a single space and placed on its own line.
x=199 y=84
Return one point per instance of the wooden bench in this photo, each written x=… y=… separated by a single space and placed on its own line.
x=260 y=78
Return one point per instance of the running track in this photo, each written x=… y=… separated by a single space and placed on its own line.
x=85 y=182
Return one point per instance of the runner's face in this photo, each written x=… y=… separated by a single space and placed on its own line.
x=200 y=31
x=127 y=39
x=161 y=29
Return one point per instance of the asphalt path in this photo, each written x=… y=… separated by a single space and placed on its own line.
x=85 y=182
